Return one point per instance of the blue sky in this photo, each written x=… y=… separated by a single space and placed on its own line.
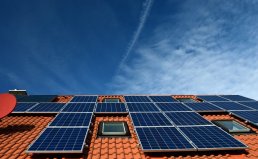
x=125 y=47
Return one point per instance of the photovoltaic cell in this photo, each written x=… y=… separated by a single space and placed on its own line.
x=22 y=107
x=173 y=107
x=251 y=116
x=79 y=107
x=61 y=140
x=231 y=106
x=236 y=98
x=253 y=105
x=211 y=137
x=72 y=119
x=162 y=139
x=187 y=118
x=212 y=98
x=203 y=107
x=86 y=99
x=162 y=99
x=37 y=98
x=142 y=107
x=47 y=107
x=137 y=99
x=149 y=119
x=110 y=107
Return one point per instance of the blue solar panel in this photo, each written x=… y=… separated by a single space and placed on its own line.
x=79 y=107
x=212 y=98
x=162 y=139
x=149 y=119
x=187 y=118
x=253 y=105
x=72 y=119
x=111 y=107
x=142 y=107
x=22 y=107
x=86 y=99
x=236 y=98
x=173 y=107
x=47 y=107
x=37 y=98
x=251 y=116
x=203 y=107
x=61 y=140
x=162 y=99
x=211 y=138
x=137 y=99
x=231 y=106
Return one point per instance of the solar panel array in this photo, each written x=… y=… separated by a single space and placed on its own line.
x=162 y=99
x=236 y=98
x=253 y=105
x=203 y=107
x=36 y=98
x=47 y=108
x=173 y=107
x=23 y=107
x=231 y=106
x=149 y=119
x=211 y=98
x=250 y=116
x=142 y=107
x=137 y=99
x=86 y=99
x=111 y=108
x=79 y=107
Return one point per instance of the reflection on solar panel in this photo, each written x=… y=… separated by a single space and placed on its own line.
x=72 y=119
x=251 y=104
x=162 y=139
x=149 y=119
x=251 y=116
x=187 y=118
x=162 y=99
x=173 y=107
x=203 y=107
x=61 y=140
x=22 y=107
x=84 y=99
x=231 y=106
x=212 y=98
x=47 y=107
x=79 y=107
x=142 y=107
x=236 y=98
x=37 y=98
x=137 y=99
x=111 y=107
x=211 y=137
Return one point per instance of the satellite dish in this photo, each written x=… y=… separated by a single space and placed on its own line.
x=7 y=104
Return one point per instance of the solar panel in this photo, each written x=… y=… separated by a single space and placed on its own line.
x=142 y=107
x=231 y=106
x=211 y=138
x=137 y=99
x=86 y=99
x=149 y=119
x=187 y=118
x=72 y=119
x=162 y=139
x=60 y=140
x=110 y=107
x=162 y=99
x=22 y=107
x=37 y=98
x=79 y=107
x=173 y=107
x=47 y=107
x=211 y=98
x=251 y=116
x=203 y=107
x=253 y=105
x=236 y=98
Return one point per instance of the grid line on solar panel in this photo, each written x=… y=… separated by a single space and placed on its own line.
x=251 y=116
x=142 y=107
x=162 y=139
x=110 y=107
x=86 y=99
x=203 y=107
x=211 y=98
x=61 y=140
x=173 y=107
x=72 y=119
x=79 y=107
x=149 y=119
x=47 y=107
x=162 y=99
x=211 y=138
x=231 y=106
x=137 y=99
x=22 y=107
x=253 y=105
x=187 y=118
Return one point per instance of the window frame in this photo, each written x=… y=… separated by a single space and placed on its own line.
x=118 y=100
x=221 y=125
x=126 y=132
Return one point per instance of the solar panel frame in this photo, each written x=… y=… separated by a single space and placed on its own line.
x=236 y=98
x=84 y=99
x=42 y=108
x=176 y=106
x=204 y=107
x=79 y=107
x=160 y=99
x=58 y=151
x=211 y=98
x=137 y=99
x=114 y=108
x=142 y=107
x=248 y=116
x=231 y=106
x=22 y=109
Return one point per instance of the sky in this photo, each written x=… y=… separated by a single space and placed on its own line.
x=129 y=46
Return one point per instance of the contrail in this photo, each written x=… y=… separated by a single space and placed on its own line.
x=143 y=17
